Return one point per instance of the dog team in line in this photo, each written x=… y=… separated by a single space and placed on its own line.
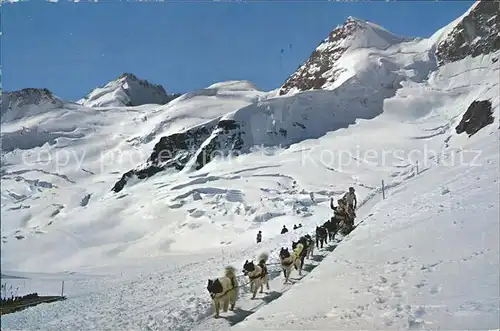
x=344 y=214
x=224 y=290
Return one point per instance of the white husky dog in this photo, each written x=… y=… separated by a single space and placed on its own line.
x=290 y=260
x=224 y=290
x=257 y=274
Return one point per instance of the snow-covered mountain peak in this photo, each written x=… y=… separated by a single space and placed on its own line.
x=127 y=75
x=475 y=33
x=354 y=34
x=27 y=102
x=237 y=85
x=127 y=90
x=357 y=33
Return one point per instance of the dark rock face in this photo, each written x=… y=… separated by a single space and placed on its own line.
x=477 y=116
x=227 y=139
x=176 y=150
x=478 y=33
x=307 y=78
x=172 y=152
x=146 y=172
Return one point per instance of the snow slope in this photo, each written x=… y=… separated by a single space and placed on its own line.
x=52 y=168
x=426 y=258
x=139 y=259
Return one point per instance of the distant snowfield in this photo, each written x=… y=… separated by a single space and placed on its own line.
x=425 y=257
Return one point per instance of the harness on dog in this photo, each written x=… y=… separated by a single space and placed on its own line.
x=298 y=250
x=262 y=274
x=287 y=263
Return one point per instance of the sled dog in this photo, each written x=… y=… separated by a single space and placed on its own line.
x=224 y=291
x=310 y=246
x=290 y=260
x=257 y=274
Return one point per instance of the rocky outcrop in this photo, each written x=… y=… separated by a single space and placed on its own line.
x=226 y=139
x=201 y=144
x=171 y=152
x=477 y=33
x=477 y=116
x=320 y=69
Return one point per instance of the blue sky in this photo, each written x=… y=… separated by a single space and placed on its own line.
x=71 y=48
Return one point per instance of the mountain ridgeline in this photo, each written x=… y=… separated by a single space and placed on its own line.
x=290 y=118
x=347 y=77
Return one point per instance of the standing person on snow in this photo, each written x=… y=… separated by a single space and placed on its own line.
x=351 y=200
x=259 y=237
x=284 y=230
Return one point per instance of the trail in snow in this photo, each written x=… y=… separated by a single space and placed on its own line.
x=427 y=259
x=245 y=306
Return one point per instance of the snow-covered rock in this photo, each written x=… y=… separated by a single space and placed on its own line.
x=324 y=66
x=27 y=102
x=127 y=90
x=476 y=33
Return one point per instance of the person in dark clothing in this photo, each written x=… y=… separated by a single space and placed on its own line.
x=259 y=237
x=295 y=227
x=284 y=230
